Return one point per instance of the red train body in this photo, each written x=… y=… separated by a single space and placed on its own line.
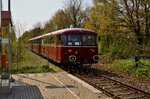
x=67 y=46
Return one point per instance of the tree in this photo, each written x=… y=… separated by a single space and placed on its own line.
x=37 y=30
x=19 y=30
x=26 y=36
x=102 y=18
x=60 y=20
x=93 y=20
x=135 y=15
x=49 y=26
x=76 y=13
x=146 y=5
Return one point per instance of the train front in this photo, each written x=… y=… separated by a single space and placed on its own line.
x=79 y=47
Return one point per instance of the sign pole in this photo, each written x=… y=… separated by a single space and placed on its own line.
x=1 y=45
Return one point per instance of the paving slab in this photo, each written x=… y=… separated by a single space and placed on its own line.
x=59 y=85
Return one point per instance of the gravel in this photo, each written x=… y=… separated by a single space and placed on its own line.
x=139 y=83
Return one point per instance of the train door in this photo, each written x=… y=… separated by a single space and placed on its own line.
x=88 y=47
x=31 y=45
x=58 y=47
x=40 y=41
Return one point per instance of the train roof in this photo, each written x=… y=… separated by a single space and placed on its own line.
x=66 y=31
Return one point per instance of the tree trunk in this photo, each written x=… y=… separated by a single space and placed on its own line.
x=140 y=40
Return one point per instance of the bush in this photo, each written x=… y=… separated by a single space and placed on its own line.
x=143 y=72
x=143 y=69
x=129 y=66
x=45 y=68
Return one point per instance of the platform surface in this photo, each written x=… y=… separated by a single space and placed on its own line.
x=59 y=85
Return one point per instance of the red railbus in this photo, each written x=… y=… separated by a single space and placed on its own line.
x=67 y=46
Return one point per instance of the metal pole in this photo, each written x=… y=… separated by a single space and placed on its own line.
x=9 y=50
x=9 y=46
x=1 y=42
x=8 y=5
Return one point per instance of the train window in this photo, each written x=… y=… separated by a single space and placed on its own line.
x=63 y=39
x=58 y=40
x=37 y=41
x=49 y=40
x=88 y=40
x=53 y=40
x=45 y=40
x=74 y=40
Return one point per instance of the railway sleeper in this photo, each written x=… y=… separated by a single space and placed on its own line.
x=136 y=97
x=125 y=93
x=103 y=81
x=118 y=89
x=107 y=85
x=116 y=86
x=77 y=70
x=110 y=88
x=104 y=85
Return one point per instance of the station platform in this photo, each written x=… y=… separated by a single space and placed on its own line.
x=59 y=85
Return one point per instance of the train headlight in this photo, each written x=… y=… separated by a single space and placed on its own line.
x=95 y=57
x=72 y=58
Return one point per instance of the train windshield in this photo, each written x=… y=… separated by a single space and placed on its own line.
x=71 y=40
x=88 y=40
x=78 y=40
x=74 y=40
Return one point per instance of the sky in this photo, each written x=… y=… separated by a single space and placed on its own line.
x=30 y=12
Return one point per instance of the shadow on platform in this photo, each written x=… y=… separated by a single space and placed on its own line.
x=23 y=92
x=55 y=86
x=50 y=84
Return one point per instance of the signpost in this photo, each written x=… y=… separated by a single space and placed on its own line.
x=4 y=41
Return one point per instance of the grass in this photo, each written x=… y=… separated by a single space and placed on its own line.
x=142 y=69
x=32 y=63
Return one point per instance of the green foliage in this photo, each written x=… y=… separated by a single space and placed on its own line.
x=121 y=34
x=34 y=69
x=46 y=68
x=129 y=66
x=124 y=65
x=32 y=63
x=93 y=21
x=143 y=69
x=117 y=49
x=61 y=20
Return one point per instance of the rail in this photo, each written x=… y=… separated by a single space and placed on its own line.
x=111 y=87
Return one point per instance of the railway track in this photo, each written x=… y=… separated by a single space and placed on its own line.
x=111 y=87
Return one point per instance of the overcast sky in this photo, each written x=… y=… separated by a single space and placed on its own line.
x=29 y=12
